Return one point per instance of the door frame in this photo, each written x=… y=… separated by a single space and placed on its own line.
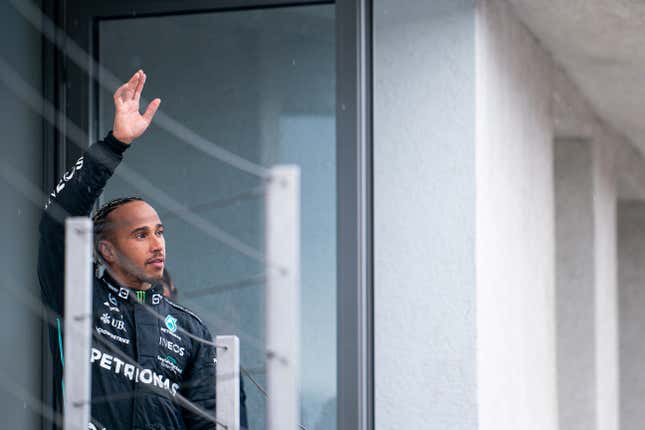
x=71 y=90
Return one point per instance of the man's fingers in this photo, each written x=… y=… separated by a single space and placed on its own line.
x=131 y=90
x=151 y=110
x=134 y=79
x=140 y=83
x=131 y=86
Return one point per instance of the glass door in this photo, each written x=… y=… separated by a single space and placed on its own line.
x=260 y=83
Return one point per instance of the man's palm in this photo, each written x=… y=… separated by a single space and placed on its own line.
x=129 y=124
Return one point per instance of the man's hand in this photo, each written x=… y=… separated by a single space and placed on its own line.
x=129 y=124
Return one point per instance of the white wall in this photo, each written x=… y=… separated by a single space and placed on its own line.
x=520 y=89
x=515 y=226
x=424 y=215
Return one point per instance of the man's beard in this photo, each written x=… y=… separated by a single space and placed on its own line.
x=132 y=270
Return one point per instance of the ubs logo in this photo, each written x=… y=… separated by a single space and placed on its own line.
x=116 y=323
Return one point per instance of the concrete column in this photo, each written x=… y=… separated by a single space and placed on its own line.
x=631 y=281
x=424 y=215
x=516 y=362
x=575 y=284
x=606 y=283
x=586 y=308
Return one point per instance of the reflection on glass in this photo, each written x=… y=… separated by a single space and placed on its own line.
x=260 y=83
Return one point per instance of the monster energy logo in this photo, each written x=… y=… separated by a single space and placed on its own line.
x=141 y=296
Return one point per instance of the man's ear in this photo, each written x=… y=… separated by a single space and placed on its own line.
x=107 y=251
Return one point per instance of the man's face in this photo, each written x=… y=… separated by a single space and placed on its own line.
x=136 y=241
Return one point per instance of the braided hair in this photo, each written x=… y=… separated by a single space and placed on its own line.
x=101 y=224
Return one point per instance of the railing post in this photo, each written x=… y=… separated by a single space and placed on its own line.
x=227 y=382
x=78 y=323
x=282 y=229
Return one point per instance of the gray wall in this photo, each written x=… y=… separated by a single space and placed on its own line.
x=606 y=291
x=575 y=293
x=20 y=351
x=424 y=214
x=586 y=295
x=631 y=278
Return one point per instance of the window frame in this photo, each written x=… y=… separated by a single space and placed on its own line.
x=71 y=90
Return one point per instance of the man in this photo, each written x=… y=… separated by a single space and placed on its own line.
x=147 y=372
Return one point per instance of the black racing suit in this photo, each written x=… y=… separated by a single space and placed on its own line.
x=142 y=364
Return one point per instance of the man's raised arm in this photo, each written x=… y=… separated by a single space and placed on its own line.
x=80 y=187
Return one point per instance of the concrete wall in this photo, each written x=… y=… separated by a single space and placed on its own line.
x=605 y=198
x=515 y=226
x=424 y=214
x=521 y=88
x=615 y=171
x=20 y=351
x=523 y=101
x=631 y=260
x=586 y=283
x=575 y=275
x=587 y=328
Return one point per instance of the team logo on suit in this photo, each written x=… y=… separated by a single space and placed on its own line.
x=171 y=323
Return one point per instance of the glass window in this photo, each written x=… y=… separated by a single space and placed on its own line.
x=260 y=83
